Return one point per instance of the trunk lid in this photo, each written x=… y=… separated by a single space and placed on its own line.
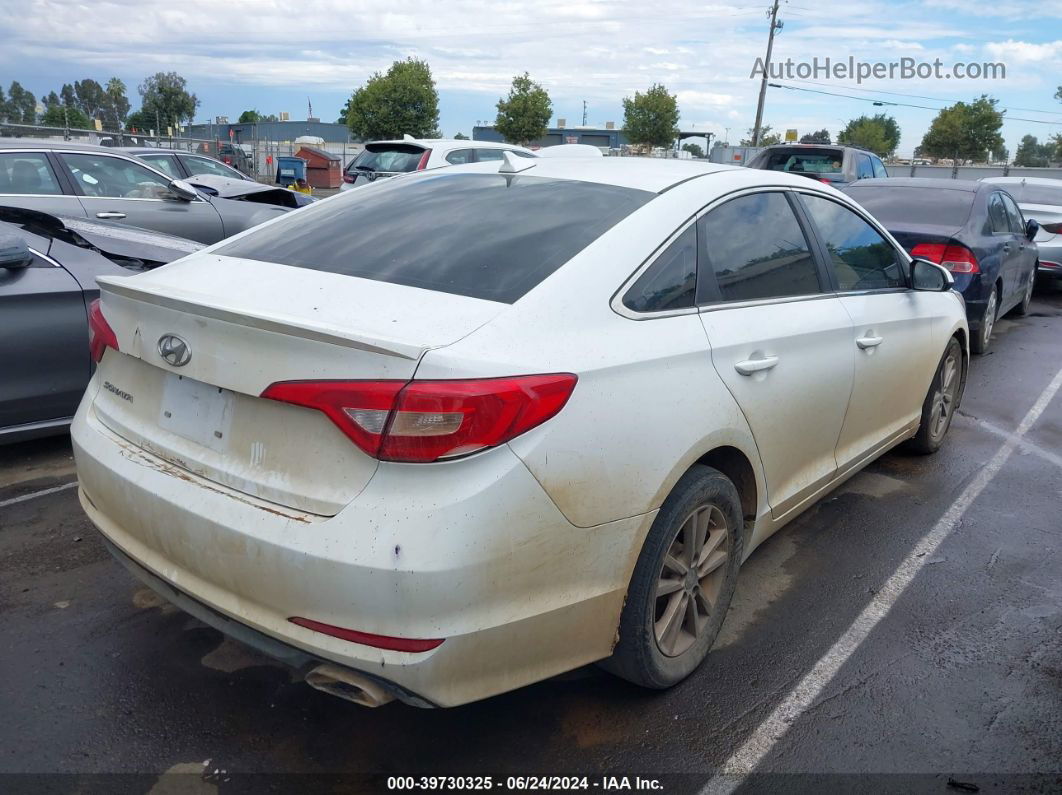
x=248 y=324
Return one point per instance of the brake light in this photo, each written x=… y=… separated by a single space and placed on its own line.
x=423 y=163
x=424 y=421
x=368 y=639
x=101 y=335
x=956 y=258
x=348 y=178
x=1054 y=229
x=1046 y=263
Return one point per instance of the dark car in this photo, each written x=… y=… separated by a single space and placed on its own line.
x=48 y=270
x=72 y=179
x=974 y=229
x=834 y=165
x=181 y=165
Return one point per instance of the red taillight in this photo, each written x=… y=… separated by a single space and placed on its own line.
x=423 y=163
x=226 y=160
x=424 y=421
x=954 y=257
x=1046 y=263
x=368 y=639
x=101 y=335
x=349 y=178
x=1054 y=229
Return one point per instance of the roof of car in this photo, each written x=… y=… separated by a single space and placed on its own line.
x=44 y=143
x=1054 y=183
x=454 y=142
x=796 y=145
x=150 y=150
x=965 y=185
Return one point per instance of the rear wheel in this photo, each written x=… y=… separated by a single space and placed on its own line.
x=1026 y=299
x=941 y=403
x=980 y=341
x=682 y=583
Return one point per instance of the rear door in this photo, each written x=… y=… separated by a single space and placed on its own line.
x=892 y=327
x=120 y=189
x=781 y=339
x=1010 y=248
x=44 y=355
x=29 y=179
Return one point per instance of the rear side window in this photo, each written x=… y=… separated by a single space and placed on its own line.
x=865 y=167
x=1014 y=217
x=879 y=168
x=861 y=258
x=394 y=158
x=490 y=154
x=902 y=205
x=671 y=281
x=459 y=157
x=997 y=215
x=490 y=236
x=27 y=173
x=757 y=250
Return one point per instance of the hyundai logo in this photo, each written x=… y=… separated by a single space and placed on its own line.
x=174 y=351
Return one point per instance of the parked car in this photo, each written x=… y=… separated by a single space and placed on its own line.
x=1040 y=199
x=974 y=229
x=71 y=180
x=235 y=156
x=180 y=164
x=475 y=427
x=48 y=270
x=388 y=158
x=834 y=165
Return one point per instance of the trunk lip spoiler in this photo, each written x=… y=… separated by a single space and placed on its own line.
x=278 y=324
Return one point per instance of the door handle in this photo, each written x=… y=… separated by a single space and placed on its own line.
x=869 y=342
x=750 y=366
x=1006 y=248
x=110 y=214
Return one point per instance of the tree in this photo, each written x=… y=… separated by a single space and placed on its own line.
x=820 y=137
x=965 y=131
x=165 y=97
x=767 y=138
x=140 y=121
x=880 y=134
x=1000 y=155
x=651 y=118
x=524 y=115
x=1032 y=153
x=402 y=101
x=249 y=117
x=117 y=102
x=59 y=115
x=67 y=95
x=52 y=99
x=460 y=137
x=91 y=98
x=21 y=105
x=693 y=149
x=4 y=110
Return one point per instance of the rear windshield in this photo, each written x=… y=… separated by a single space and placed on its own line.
x=490 y=236
x=905 y=205
x=388 y=157
x=813 y=161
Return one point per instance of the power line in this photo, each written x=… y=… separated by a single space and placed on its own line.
x=902 y=104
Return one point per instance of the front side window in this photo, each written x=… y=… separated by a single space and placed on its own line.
x=115 y=177
x=490 y=236
x=27 y=173
x=756 y=250
x=671 y=281
x=862 y=259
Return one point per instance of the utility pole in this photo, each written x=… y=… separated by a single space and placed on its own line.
x=775 y=25
x=584 y=112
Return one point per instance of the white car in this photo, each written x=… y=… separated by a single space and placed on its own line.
x=1040 y=198
x=479 y=426
x=390 y=158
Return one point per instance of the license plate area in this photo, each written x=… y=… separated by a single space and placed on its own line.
x=199 y=412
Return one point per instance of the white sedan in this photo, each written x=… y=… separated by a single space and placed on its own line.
x=467 y=429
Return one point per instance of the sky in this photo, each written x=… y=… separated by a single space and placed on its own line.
x=276 y=55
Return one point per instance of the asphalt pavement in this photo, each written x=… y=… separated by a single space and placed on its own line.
x=956 y=687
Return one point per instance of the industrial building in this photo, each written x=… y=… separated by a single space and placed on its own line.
x=272 y=131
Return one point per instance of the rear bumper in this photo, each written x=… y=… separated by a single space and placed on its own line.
x=473 y=552
x=1049 y=269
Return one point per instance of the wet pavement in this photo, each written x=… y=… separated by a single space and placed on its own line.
x=961 y=680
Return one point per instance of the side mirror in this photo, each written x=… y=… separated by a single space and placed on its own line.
x=1032 y=226
x=926 y=275
x=14 y=253
x=183 y=191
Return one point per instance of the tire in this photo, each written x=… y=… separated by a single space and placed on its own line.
x=979 y=343
x=1022 y=309
x=941 y=402
x=653 y=651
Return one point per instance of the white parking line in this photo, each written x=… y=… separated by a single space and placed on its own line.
x=1024 y=444
x=35 y=494
x=760 y=743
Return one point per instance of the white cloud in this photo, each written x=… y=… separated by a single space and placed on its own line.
x=1024 y=52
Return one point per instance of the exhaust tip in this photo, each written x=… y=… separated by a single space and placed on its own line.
x=348 y=685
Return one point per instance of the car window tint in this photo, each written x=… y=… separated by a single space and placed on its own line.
x=806 y=161
x=864 y=166
x=757 y=250
x=27 y=173
x=1014 y=217
x=879 y=168
x=115 y=177
x=491 y=236
x=997 y=215
x=861 y=258
x=459 y=157
x=671 y=281
x=392 y=158
x=489 y=154
x=164 y=163
x=204 y=165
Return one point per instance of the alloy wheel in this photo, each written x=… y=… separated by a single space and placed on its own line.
x=989 y=321
x=691 y=579
x=944 y=399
